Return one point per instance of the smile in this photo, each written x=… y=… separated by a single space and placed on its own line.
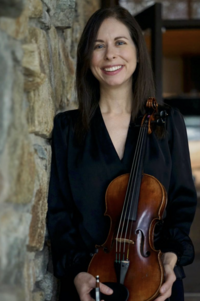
x=114 y=68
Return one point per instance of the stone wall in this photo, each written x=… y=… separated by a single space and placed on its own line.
x=37 y=66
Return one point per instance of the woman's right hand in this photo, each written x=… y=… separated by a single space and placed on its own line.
x=85 y=282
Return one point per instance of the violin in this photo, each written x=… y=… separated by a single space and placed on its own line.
x=135 y=203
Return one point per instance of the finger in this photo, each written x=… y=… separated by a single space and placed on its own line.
x=105 y=289
x=167 y=285
x=163 y=297
x=164 y=294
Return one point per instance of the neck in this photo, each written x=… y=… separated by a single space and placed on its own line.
x=115 y=101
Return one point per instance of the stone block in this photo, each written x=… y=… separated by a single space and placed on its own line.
x=16 y=28
x=72 y=36
x=48 y=161
x=8 y=296
x=13 y=237
x=6 y=82
x=62 y=71
x=11 y=8
x=18 y=152
x=39 y=210
x=63 y=19
x=56 y=62
x=44 y=153
x=35 y=8
x=22 y=168
x=13 y=127
x=85 y=9
x=40 y=151
x=50 y=6
x=47 y=285
x=40 y=264
x=1 y=183
x=67 y=76
x=38 y=296
x=39 y=37
x=26 y=174
x=45 y=21
x=17 y=52
x=11 y=293
x=4 y=177
x=29 y=275
x=69 y=37
x=41 y=110
x=64 y=14
x=33 y=77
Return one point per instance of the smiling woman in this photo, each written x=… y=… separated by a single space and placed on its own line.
x=88 y=86
x=95 y=144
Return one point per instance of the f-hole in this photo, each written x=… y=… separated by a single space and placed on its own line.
x=145 y=253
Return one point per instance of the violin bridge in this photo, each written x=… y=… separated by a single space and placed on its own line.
x=125 y=240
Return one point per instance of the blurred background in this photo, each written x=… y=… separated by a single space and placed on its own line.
x=38 y=41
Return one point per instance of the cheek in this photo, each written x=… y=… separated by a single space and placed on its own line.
x=133 y=55
x=93 y=66
x=95 y=60
x=132 y=58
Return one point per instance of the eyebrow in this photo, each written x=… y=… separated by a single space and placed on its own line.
x=121 y=37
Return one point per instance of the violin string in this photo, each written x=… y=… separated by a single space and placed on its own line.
x=131 y=227
x=133 y=184
x=131 y=180
x=127 y=196
x=125 y=206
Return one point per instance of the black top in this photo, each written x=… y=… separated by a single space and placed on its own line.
x=80 y=175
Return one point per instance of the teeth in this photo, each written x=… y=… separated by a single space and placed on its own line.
x=113 y=68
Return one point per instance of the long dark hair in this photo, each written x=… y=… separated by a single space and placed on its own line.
x=88 y=90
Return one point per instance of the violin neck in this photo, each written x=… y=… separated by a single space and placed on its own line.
x=133 y=190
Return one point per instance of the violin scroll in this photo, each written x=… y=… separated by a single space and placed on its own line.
x=153 y=114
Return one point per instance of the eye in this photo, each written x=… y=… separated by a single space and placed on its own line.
x=99 y=46
x=120 y=43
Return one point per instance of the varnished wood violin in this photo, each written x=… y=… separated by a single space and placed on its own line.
x=135 y=202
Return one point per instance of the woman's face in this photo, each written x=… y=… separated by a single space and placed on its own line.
x=114 y=57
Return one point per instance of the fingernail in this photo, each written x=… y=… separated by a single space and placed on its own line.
x=110 y=291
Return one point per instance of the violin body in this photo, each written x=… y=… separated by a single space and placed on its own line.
x=145 y=273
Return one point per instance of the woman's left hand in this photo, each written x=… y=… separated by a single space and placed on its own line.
x=169 y=261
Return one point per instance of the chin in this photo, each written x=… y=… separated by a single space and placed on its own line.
x=115 y=83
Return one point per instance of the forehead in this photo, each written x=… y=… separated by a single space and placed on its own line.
x=112 y=27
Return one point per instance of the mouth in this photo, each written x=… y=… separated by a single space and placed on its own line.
x=113 y=68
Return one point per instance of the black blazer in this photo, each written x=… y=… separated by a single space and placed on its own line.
x=80 y=175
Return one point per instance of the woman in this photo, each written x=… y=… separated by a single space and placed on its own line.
x=95 y=144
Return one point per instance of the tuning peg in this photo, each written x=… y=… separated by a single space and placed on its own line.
x=160 y=121
x=163 y=113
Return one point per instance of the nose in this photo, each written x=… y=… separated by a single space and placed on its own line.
x=110 y=53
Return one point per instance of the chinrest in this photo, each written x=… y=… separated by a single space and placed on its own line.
x=120 y=292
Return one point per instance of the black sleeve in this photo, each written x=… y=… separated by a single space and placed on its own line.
x=70 y=254
x=182 y=197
